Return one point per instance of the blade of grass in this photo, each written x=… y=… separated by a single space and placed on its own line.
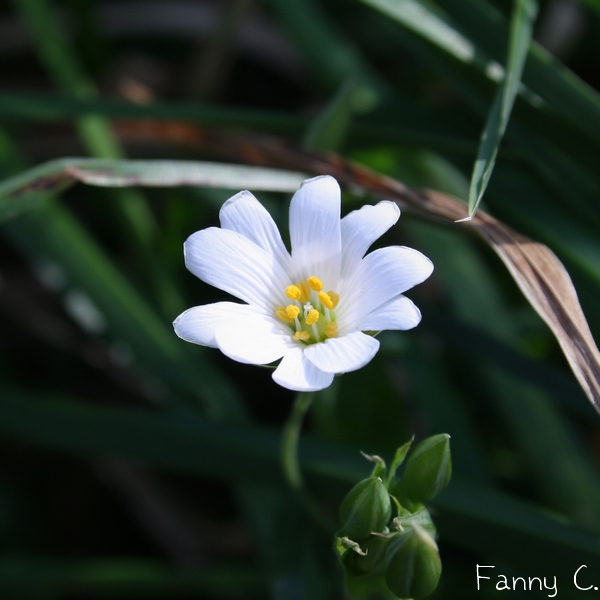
x=122 y=576
x=432 y=25
x=469 y=516
x=544 y=75
x=21 y=191
x=521 y=28
x=51 y=233
x=64 y=68
x=331 y=57
x=56 y=107
x=330 y=128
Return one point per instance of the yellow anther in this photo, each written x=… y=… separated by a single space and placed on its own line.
x=292 y=311
x=312 y=317
x=281 y=313
x=315 y=283
x=303 y=286
x=302 y=335
x=331 y=330
x=293 y=292
x=335 y=298
x=326 y=300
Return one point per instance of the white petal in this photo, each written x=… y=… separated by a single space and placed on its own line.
x=397 y=313
x=257 y=340
x=296 y=372
x=234 y=264
x=315 y=231
x=343 y=354
x=246 y=215
x=382 y=275
x=197 y=325
x=361 y=228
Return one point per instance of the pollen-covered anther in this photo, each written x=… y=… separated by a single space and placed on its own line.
x=312 y=317
x=302 y=335
x=293 y=292
x=335 y=298
x=292 y=311
x=315 y=283
x=304 y=291
x=325 y=300
x=281 y=313
x=331 y=330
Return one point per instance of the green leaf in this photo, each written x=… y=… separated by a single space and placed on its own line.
x=330 y=128
x=521 y=27
x=470 y=516
x=122 y=576
x=24 y=190
x=430 y=24
x=544 y=75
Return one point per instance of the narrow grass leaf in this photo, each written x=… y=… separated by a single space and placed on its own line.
x=47 y=576
x=330 y=128
x=470 y=516
x=544 y=75
x=521 y=27
x=429 y=24
x=20 y=192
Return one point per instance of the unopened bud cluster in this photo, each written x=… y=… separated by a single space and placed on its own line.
x=387 y=536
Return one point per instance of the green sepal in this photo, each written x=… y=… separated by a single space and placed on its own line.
x=343 y=544
x=398 y=460
x=379 y=470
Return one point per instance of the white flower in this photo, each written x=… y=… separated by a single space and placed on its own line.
x=309 y=308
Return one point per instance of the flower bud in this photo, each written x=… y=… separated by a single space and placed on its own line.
x=365 y=509
x=428 y=469
x=414 y=566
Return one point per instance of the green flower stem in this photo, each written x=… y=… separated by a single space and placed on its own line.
x=289 y=440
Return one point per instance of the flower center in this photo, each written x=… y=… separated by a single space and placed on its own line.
x=311 y=315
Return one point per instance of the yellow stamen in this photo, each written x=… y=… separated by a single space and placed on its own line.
x=331 y=330
x=281 y=313
x=292 y=311
x=335 y=298
x=302 y=335
x=303 y=286
x=326 y=300
x=293 y=292
x=315 y=283
x=312 y=317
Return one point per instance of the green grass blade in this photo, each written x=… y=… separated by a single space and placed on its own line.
x=469 y=516
x=421 y=19
x=60 y=60
x=330 y=128
x=521 y=27
x=122 y=577
x=543 y=75
x=28 y=188
x=57 y=107
x=332 y=58
x=50 y=233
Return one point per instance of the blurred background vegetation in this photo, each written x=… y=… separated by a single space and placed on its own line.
x=135 y=465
